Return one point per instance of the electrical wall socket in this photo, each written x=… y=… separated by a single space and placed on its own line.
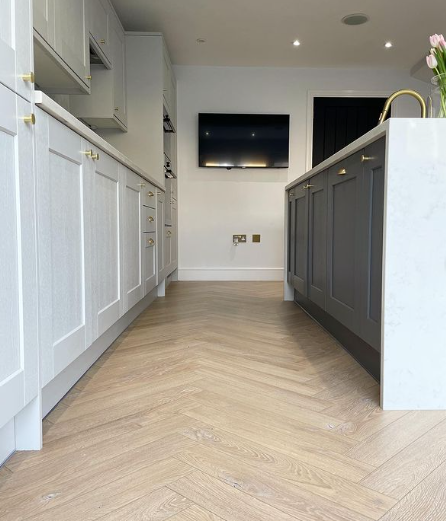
x=237 y=239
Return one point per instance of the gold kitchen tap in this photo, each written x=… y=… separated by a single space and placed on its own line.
x=398 y=93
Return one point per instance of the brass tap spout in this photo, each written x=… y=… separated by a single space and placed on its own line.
x=398 y=93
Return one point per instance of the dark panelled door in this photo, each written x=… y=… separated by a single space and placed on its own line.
x=300 y=227
x=339 y=121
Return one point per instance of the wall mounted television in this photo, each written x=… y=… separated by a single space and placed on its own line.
x=243 y=140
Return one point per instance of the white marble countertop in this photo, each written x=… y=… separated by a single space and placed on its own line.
x=54 y=109
x=361 y=142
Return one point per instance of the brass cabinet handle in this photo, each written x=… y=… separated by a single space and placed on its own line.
x=150 y=219
x=291 y=194
x=307 y=186
x=150 y=242
x=95 y=156
x=28 y=77
x=102 y=41
x=31 y=119
x=150 y=194
x=89 y=153
x=116 y=109
x=365 y=158
x=342 y=171
x=89 y=77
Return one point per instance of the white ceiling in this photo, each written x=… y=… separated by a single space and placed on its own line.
x=261 y=32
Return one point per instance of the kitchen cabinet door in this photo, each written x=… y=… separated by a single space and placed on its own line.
x=107 y=301
x=100 y=30
x=18 y=274
x=72 y=36
x=300 y=227
x=133 y=186
x=317 y=239
x=372 y=246
x=119 y=81
x=64 y=226
x=161 y=234
x=16 y=59
x=43 y=19
x=344 y=242
x=149 y=258
x=174 y=229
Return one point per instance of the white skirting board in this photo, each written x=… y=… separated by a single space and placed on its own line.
x=230 y=274
x=7 y=441
x=55 y=390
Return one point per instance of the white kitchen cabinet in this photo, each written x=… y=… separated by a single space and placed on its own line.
x=62 y=50
x=161 y=234
x=64 y=240
x=105 y=233
x=16 y=57
x=169 y=87
x=106 y=107
x=132 y=215
x=18 y=274
x=149 y=262
x=100 y=13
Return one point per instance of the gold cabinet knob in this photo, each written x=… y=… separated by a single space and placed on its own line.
x=342 y=171
x=29 y=77
x=365 y=158
x=95 y=156
x=307 y=186
x=89 y=77
x=150 y=219
x=116 y=109
x=88 y=153
x=150 y=194
x=169 y=234
x=150 y=242
x=31 y=119
x=291 y=194
x=102 y=41
x=141 y=185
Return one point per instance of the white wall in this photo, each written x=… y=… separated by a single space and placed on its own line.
x=214 y=204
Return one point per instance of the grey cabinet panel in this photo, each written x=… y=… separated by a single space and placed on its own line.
x=372 y=247
x=300 y=247
x=344 y=241
x=291 y=235
x=317 y=239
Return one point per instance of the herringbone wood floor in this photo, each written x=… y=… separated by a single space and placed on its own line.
x=222 y=402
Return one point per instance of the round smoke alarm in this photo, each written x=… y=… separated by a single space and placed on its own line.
x=355 y=19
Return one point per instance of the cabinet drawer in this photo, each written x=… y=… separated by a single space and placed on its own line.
x=149 y=196
x=149 y=216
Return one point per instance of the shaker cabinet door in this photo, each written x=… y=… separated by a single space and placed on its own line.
x=133 y=190
x=300 y=227
x=18 y=301
x=344 y=242
x=161 y=234
x=372 y=246
x=107 y=302
x=16 y=46
x=63 y=203
x=317 y=239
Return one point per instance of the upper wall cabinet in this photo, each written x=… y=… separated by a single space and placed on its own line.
x=106 y=107
x=16 y=46
x=169 y=88
x=100 y=20
x=62 y=55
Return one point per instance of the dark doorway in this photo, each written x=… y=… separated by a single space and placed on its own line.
x=339 y=121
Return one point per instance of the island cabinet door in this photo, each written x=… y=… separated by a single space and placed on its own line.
x=64 y=225
x=107 y=301
x=291 y=235
x=300 y=236
x=372 y=247
x=317 y=239
x=344 y=242
x=133 y=237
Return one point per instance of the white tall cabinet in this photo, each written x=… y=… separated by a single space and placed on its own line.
x=19 y=364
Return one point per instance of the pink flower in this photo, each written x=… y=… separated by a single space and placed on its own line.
x=434 y=40
x=431 y=61
x=442 y=42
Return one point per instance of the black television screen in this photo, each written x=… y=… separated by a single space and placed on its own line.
x=244 y=140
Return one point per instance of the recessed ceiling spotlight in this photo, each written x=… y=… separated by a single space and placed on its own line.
x=201 y=40
x=355 y=19
x=388 y=45
x=296 y=43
